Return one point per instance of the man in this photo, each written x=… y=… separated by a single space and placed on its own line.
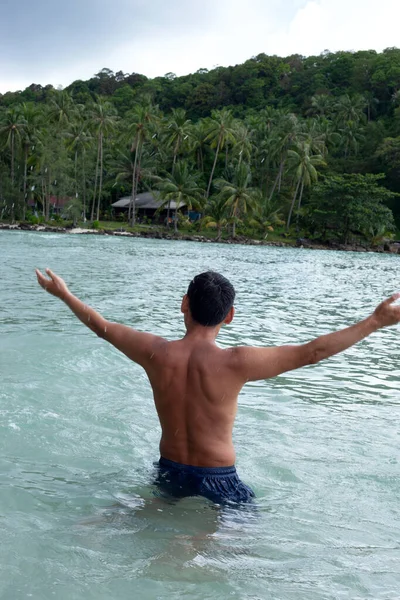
x=196 y=384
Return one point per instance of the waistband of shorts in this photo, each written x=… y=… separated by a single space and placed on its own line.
x=200 y=471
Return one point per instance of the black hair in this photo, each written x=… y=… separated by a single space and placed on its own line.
x=211 y=297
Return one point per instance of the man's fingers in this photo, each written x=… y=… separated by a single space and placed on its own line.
x=393 y=298
x=50 y=274
x=42 y=280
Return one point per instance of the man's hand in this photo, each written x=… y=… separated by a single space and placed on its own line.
x=261 y=363
x=386 y=314
x=55 y=285
x=137 y=346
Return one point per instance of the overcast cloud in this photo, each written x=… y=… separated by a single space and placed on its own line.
x=53 y=41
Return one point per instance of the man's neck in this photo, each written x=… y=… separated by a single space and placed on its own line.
x=198 y=332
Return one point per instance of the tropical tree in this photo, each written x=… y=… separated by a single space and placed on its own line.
x=62 y=108
x=141 y=118
x=103 y=121
x=216 y=215
x=351 y=203
x=11 y=129
x=351 y=135
x=303 y=166
x=243 y=147
x=285 y=136
x=239 y=197
x=74 y=210
x=321 y=104
x=350 y=108
x=179 y=130
x=267 y=213
x=220 y=131
x=182 y=187
x=198 y=143
x=79 y=141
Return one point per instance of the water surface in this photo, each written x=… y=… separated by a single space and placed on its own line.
x=79 y=433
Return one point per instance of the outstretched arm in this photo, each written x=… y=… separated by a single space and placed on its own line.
x=263 y=363
x=136 y=345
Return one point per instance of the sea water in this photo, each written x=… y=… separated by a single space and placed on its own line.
x=79 y=433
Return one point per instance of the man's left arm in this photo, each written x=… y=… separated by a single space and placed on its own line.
x=136 y=345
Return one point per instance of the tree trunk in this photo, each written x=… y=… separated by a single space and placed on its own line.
x=213 y=168
x=76 y=173
x=292 y=205
x=84 y=186
x=298 y=206
x=219 y=232
x=176 y=217
x=43 y=199
x=12 y=175
x=101 y=175
x=280 y=174
x=168 y=212
x=132 y=206
x=12 y=157
x=95 y=182
x=25 y=181
x=48 y=197
x=136 y=182
x=201 y=160
x=278 y=179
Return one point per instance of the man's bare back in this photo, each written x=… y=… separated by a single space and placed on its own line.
x=196 y=384
x=195 y=387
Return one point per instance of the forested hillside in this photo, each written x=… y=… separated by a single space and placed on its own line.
x=309 y=143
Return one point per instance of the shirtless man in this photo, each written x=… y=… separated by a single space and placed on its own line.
x=196 y=384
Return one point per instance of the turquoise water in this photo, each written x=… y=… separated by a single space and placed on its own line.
x=79 y=434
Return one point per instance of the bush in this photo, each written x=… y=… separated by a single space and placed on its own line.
x=95 y=224
x=32 y=219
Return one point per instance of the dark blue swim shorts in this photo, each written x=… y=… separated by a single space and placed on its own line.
x=219 y=484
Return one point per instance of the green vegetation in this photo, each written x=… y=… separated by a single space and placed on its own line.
x=289 y=146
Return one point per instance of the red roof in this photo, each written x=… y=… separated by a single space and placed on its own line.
x=55 y=202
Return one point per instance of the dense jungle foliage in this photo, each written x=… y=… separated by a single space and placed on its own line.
x=306 y=145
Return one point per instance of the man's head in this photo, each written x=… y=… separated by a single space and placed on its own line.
x=210 y=298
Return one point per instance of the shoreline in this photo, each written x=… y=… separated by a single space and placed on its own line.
x=384 y=248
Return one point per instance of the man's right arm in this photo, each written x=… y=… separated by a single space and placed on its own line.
x=263 y=363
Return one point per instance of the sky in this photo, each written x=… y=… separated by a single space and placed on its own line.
x=56 y=42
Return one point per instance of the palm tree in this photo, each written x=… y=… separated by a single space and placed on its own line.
x=11 y=129
x=321 y=105
x=141 y=117
x=221 y=131
x=284 y=137
x=303 y=165
x=237 y=194
x=103 y=121
x=216 y=215
x=351 y=135
x=74 y=210
x=79 y=141
x=197 y=143
x=62 y=107
x=243 y=146
x=179 y=129
x=267 y=213
x=311 y=132
x=33 y=117
x=350 y=108
x=182 y=187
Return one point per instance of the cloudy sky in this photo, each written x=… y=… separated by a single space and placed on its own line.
x=58 y=41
